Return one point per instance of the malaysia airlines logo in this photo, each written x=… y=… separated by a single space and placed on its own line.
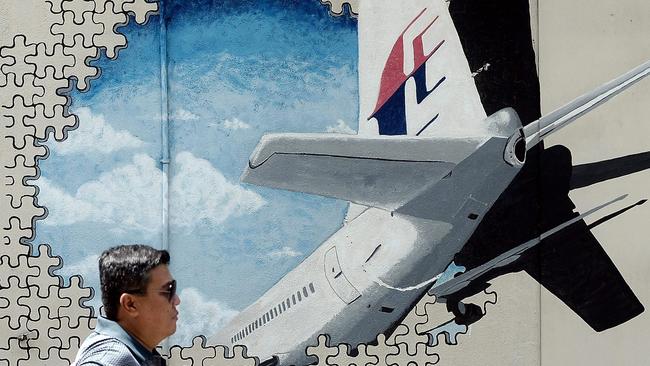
x=390 y=109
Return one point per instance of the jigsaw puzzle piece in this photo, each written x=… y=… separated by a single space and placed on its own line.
x=55 y=6
x=449 y=331
x=70 y=353
x=12 y=248
x=437 y=315
x=421 y=357
x=14 y=353
x=322 y=350
x=59 y=122
x=18 y=51
x=18 y=133
x=56 y=60
x=362 y=358
x=17 y=111
x=79 y=8
x=239 y=357
x=110 y=39
x=220 y=357
x=76 y=296
x=140 y=9
x=24 y=87
x=26 y=213
x=336 y=6
x=16 y=177
x=81 y=70
x=68 y=28
x=198 y=351
x=43 y=324
x=175 y=359
x=68 y=334
x=54 y=94
x=382 y=349
x=51 y=300
x=13 y=309
x=46 y=265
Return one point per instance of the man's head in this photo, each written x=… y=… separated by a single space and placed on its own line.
x=139 y=292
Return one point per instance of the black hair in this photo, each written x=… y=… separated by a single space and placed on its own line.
x=125 y=268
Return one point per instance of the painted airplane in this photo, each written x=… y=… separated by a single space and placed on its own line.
x=425 y=176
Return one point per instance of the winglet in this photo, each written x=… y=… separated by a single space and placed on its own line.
x=538 y=130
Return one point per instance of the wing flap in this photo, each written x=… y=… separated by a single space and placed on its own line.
x=378 y=171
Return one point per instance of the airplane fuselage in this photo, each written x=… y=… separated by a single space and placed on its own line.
x=367 y=276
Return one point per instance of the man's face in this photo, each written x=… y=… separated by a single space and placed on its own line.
x=158 y=315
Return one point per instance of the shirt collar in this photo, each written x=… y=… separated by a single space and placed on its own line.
x=113 y=329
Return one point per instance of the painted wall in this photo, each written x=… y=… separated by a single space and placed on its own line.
x=83 y=166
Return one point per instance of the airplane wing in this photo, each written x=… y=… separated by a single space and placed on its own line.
x=378 y=171
x=572 y=265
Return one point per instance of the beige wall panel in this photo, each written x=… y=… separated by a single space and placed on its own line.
x=583 y=44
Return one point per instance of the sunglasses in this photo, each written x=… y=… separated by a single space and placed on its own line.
x=169 y=293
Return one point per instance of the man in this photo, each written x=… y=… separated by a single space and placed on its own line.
x=139 y=297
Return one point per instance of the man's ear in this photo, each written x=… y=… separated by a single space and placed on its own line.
x=129 y=304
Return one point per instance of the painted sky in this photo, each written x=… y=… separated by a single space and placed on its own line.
x=236 y=70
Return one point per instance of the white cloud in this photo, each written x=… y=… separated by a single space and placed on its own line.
x=341 y=127
x=284 y=252
x=95 y=135
x=199 y=316
x=63 y=209
x=235 y=124
x=200 y=192
x=88 y=268
x=130 y=196
x=184 y=115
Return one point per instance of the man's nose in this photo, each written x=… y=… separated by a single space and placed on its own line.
x=176 y=300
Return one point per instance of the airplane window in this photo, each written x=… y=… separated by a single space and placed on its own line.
x=246 y=332
x=293 y=299
x=284 y=307
x=288 y=303
x=299 y=296
x=264 y=318
x=311 y=288
x=304 y=291
x=280 y=308
x=272 y=315
x=275 y=311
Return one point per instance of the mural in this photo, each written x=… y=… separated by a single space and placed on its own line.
x=401 y=197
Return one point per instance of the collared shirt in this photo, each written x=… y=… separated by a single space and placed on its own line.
x=110 y=345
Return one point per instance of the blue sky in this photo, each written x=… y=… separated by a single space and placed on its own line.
x=237 y=70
